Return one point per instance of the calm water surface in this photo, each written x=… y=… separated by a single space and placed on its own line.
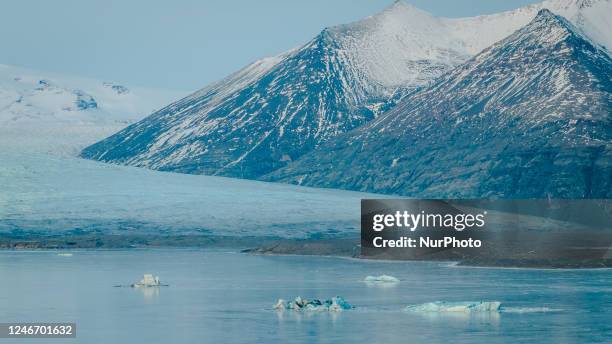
x=227 y=297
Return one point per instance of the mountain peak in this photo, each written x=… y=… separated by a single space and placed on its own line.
x=397 y=4
x=545 y=15
x=546 y=18
x=545 y=12
x=573 y=3
x=400 y=6
x=546 y=29
x=498 y=126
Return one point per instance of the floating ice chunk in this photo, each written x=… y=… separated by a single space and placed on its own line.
x=280 y=304
x=339 y=304
x=147 y=281
x=381 y=279
x=335 y=304
x=466 y=307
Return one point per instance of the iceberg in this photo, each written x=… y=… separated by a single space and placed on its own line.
x=381 y=279
x=335 y=304
x=465 y=307
x=147 y=281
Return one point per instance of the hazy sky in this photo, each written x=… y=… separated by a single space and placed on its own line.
x=180 y=44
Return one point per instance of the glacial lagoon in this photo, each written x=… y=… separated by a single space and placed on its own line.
x=219 y=296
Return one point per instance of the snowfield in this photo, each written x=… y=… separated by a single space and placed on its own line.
x=47 y=112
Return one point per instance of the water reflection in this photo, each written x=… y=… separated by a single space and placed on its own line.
x=299 y=316
x=149 y=293
x=382 y=285
x=460 y=318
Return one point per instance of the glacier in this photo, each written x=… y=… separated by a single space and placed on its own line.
x=47 y=189
x=44 y=193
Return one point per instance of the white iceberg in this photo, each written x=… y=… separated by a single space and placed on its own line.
x=465 y=307
x=381 y=279
x=148 y=280
x=280 y=304
x=335 y=304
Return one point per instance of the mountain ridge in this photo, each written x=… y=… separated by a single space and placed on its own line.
x=511 y=122
x=275 y=111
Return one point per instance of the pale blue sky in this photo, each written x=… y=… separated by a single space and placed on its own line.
x=180 y=44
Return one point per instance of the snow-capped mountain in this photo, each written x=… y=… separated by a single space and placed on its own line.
x=61 y=114
x=274 y=111
x=528 y=117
